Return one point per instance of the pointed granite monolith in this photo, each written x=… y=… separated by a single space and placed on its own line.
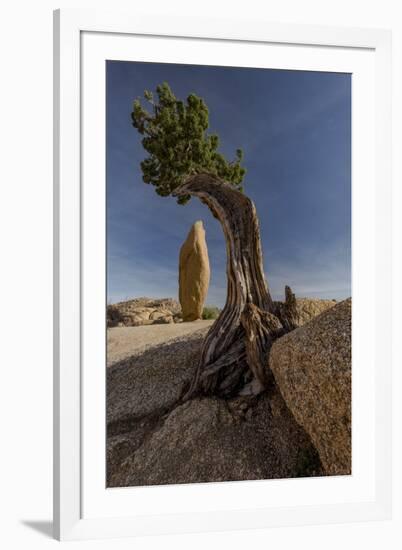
x=194 y=273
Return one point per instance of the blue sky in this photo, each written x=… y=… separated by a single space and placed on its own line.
x=295 y=130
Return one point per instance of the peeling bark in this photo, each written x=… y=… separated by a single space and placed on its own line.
x=234 y=357
x=287 y=311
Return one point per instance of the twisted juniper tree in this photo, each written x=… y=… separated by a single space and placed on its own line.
x=183 y=161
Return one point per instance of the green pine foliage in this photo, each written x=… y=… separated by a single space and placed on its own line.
x=177 y=142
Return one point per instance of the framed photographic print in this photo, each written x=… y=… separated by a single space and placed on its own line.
x=222 y=275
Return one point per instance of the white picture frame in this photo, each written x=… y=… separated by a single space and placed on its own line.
x=83 y=507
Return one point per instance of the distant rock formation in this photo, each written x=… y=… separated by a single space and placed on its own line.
x=149 y=311
x=143 y=311
x=194 y=273
x=305 y=308
x=312 y=368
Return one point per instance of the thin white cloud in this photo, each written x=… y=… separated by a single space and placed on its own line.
x=313 y=273
x=309 y=273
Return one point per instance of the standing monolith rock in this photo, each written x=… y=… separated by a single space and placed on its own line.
x=312 y=368
x=194 y=273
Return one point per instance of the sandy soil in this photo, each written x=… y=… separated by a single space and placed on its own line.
x=123 y=342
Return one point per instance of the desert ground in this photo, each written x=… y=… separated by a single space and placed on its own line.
x=123 y=342
x=300 y=426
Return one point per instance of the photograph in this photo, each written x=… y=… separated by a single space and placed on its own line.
x=228 y=274
x=201 y=210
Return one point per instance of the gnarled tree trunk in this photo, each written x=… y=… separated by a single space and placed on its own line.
x=234 y=357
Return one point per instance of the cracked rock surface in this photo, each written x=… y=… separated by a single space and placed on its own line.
x=153 y=440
